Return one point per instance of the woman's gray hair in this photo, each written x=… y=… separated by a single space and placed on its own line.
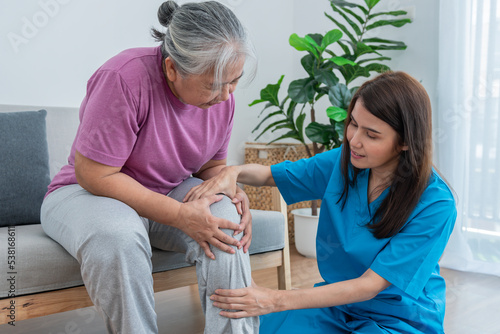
x=202 y=37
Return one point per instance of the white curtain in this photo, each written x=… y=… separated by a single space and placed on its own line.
x=467 y=130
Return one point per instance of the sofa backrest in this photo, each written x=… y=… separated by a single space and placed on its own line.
x=62 y=123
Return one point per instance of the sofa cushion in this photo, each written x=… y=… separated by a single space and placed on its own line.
x=24 y=166
x=43 y=265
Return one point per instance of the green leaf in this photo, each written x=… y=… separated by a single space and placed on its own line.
x=256 y=102
x=326 y=77
x=353 y=72
x=268 y=116
x=269 y=94
x=372 y=59
x=371 y=3
x=270 y=126
x=317 y=38
x=361 y=49
x=394 y=23
x=341 y=61
x=299 y=123
x=340 y=96
x=336 y=95
x=380 y=68
x=353 y=14
x=331 y=53
x=311 y=41
x=343 y=3
x=339 y=128
x=292 y=135
x=345 y=48
x=291 y=109
x=320 y=133
x=388 y=47
x=308 y=62
x=301 y=44
x=343 y=28
x=268 y=105
x=331 y=37
x=315 y=45
x=353 y=25
x=336 y=113
x=386 y=41
x=327 y=65
x=347 y=98
x=282 y=105
x=302 y=90
x=320 y=91
x=287 y=125
x=275 y=124
x=393 y=13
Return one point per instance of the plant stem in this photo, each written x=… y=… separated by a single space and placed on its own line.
x=364 y=25
x=309 y=153
x=316 y=149
x=314 y=207
x=313 y=116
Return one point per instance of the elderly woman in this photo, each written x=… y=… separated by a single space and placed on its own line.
x=153 y=118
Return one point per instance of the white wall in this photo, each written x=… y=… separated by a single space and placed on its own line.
x=49 y=48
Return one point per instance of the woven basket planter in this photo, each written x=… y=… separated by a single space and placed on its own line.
x=259 y=153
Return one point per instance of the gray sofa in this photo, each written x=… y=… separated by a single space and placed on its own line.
x=41 y=277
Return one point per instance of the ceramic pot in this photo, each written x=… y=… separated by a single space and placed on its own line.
x=306 y=227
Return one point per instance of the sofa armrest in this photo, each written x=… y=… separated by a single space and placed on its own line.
x=284 y=272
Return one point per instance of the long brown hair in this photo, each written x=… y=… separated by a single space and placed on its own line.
x=402 y=102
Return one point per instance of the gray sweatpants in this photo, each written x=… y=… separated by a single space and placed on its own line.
x=113 y=243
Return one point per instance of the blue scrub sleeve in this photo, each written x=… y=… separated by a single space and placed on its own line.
x=411 y=256
x=305 y=179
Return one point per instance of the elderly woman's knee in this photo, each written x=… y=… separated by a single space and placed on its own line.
x=225 y=209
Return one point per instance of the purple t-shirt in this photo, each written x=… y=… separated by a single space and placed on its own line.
x=130 y=118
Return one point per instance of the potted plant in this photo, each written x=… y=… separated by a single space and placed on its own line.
x=344 y=52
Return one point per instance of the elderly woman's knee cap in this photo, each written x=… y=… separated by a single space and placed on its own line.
x=225 y=209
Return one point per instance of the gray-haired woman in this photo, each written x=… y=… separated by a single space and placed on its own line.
x=151 y=119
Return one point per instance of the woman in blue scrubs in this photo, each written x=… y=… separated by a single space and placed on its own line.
x=386 y=216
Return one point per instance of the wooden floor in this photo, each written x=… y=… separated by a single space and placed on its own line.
x=473 y=305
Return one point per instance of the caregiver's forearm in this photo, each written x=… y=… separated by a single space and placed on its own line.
x=351 y=291
x=254 y=175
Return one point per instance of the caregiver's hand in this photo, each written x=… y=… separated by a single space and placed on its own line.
x=247 y=302
x=243 y=207
x=222 y=183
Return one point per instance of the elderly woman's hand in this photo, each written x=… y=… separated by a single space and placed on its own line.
x=199 y=223
x=225 y=183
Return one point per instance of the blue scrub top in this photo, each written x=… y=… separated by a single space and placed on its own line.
x=346 y=247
